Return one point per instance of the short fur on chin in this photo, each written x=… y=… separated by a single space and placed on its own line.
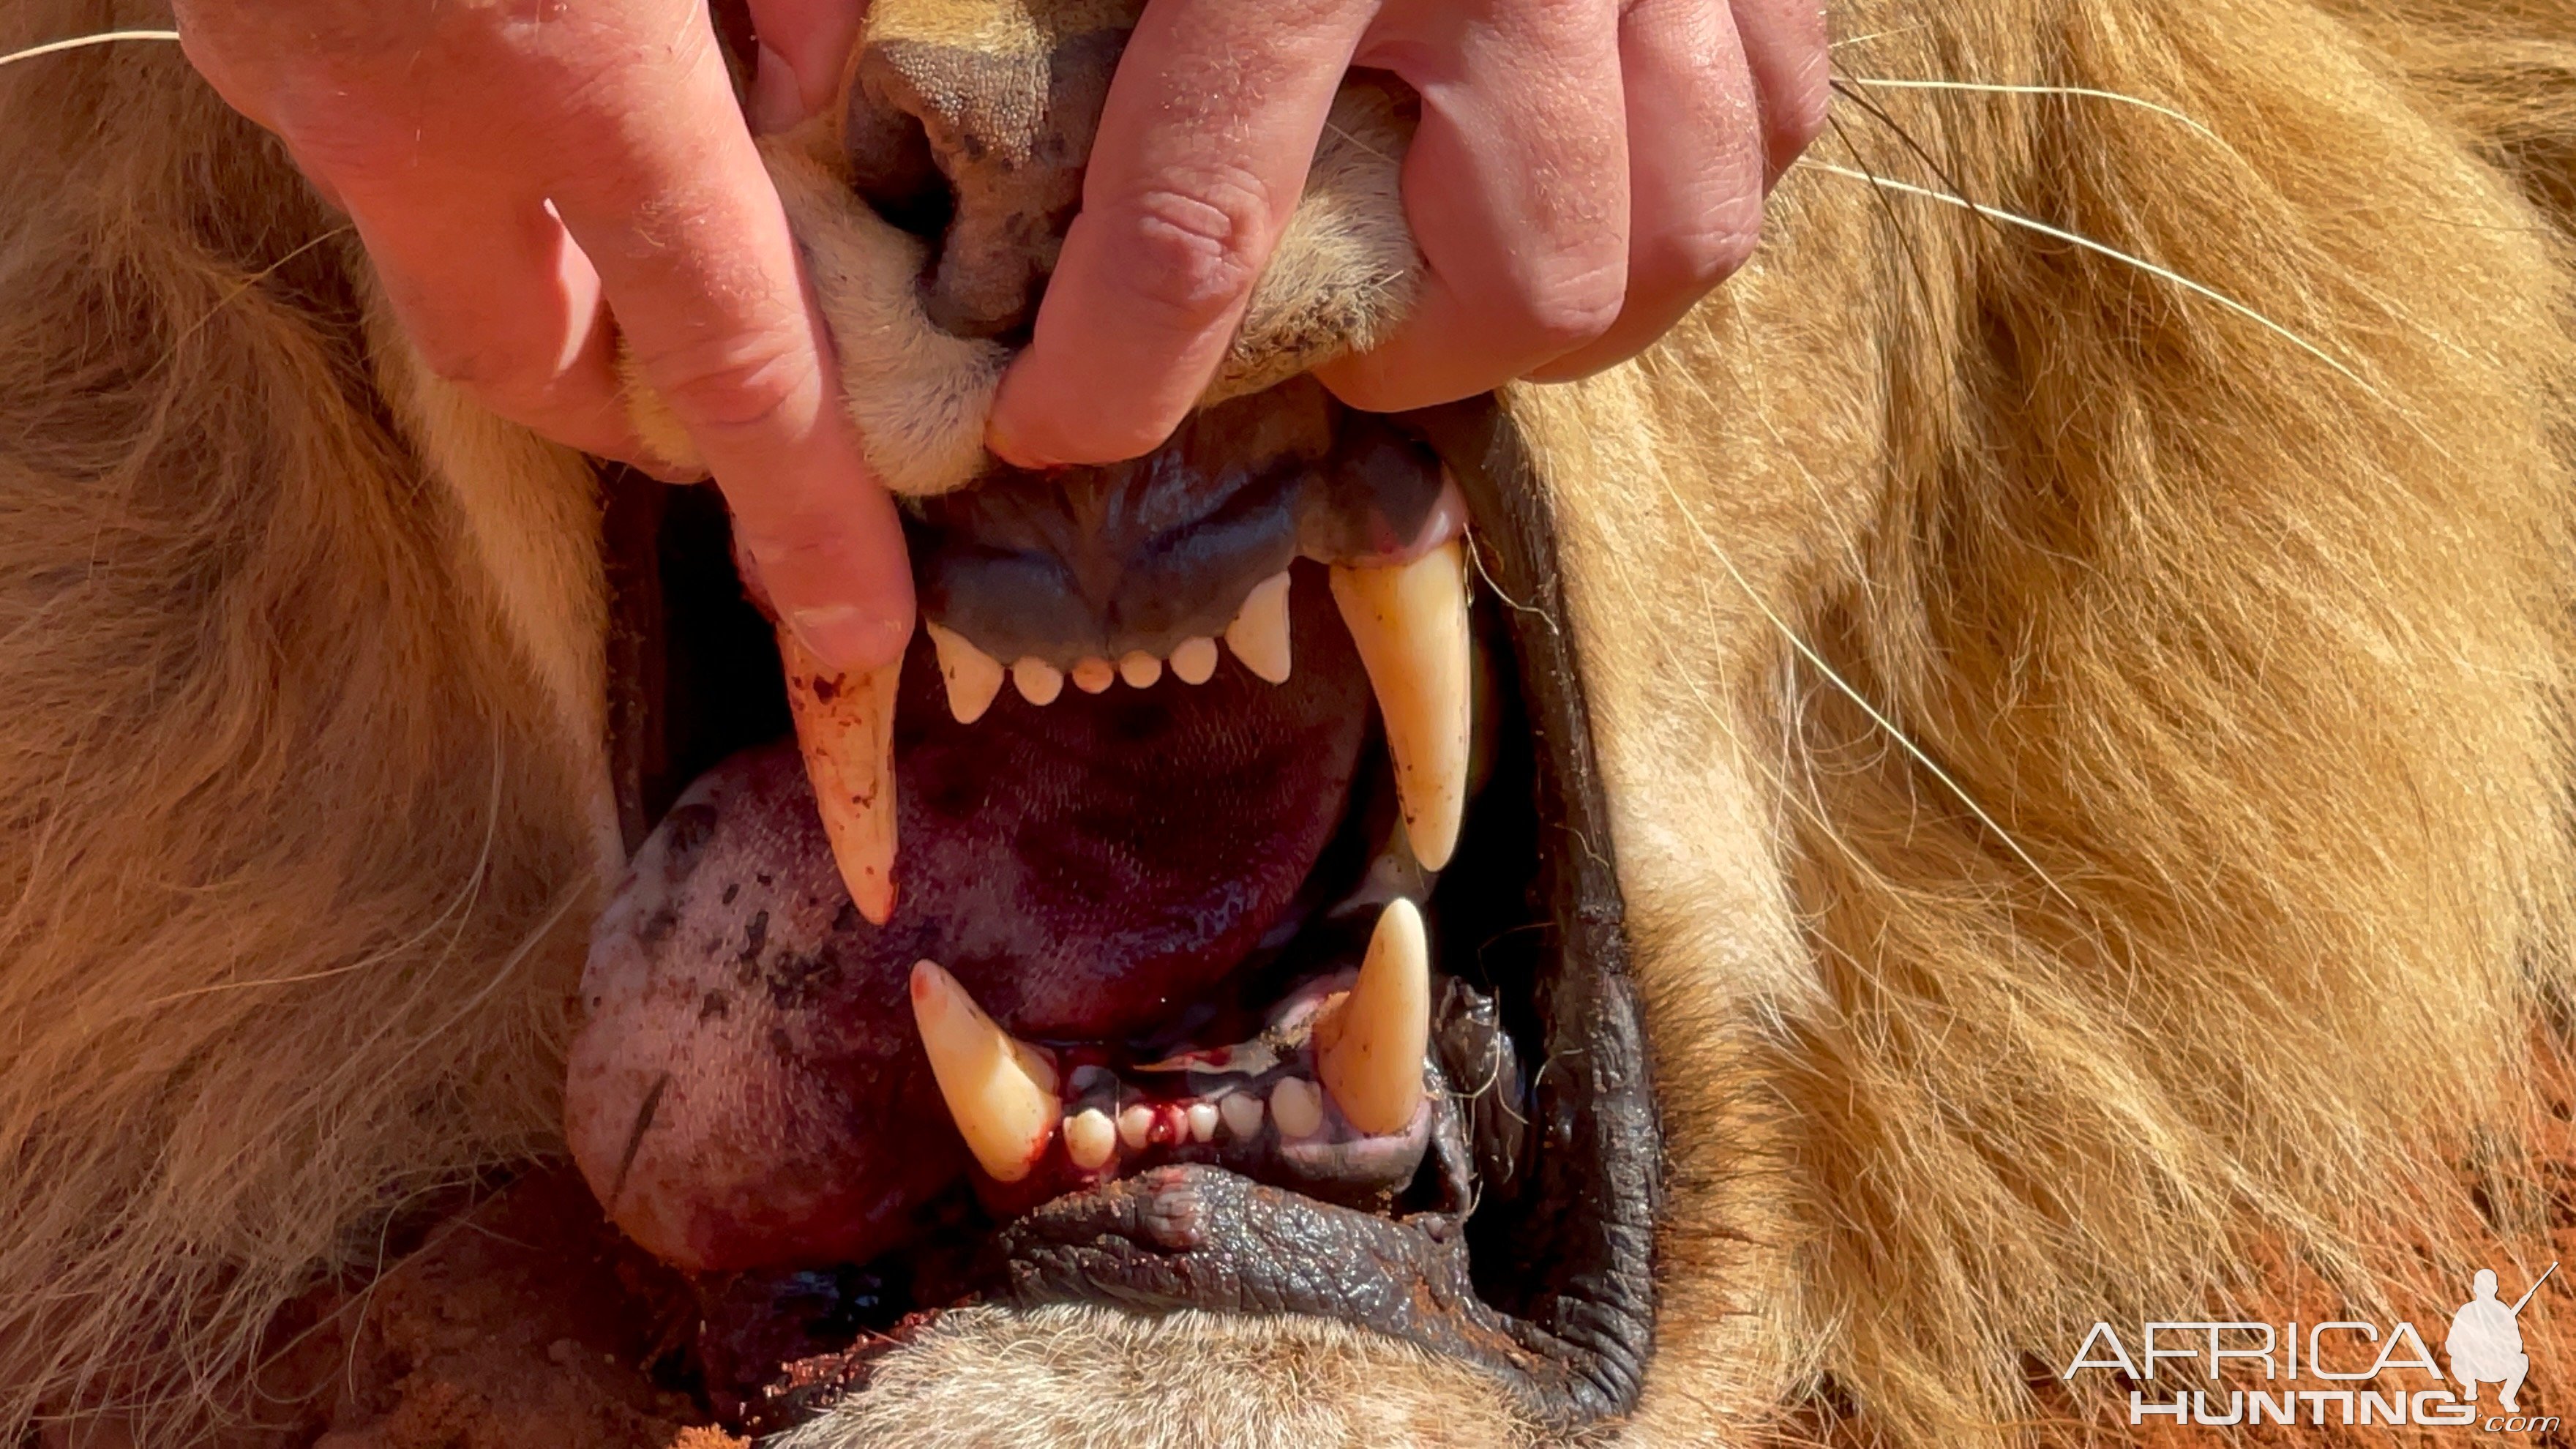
x=2208 y=929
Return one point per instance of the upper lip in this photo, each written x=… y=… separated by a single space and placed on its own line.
x=1550 y=1283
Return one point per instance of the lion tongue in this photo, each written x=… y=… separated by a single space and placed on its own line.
x=749 y=1087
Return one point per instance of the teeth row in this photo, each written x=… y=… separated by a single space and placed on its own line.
x=1258 y=635
x=1008 y=1104
x=1408 y=620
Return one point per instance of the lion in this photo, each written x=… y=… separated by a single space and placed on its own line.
x=2020 y=771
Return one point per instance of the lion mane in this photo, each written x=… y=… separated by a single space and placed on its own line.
x=2077 y=636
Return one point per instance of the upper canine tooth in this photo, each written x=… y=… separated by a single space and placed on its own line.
x=1369 y=1045
x=1259 y=633
x=999 y=1089
x=1095 y=675
x=1140 y=669
x=973 y=676
x=1039 y=681
x=845 y=729
x=1410 y=623
x=1194 y=660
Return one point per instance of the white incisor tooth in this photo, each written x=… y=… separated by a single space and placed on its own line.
x=1194 y=660
x=1094 y=675
x=1202 y=1119
x=1369 y=1044
x=1089 y=1138
x=999 y=1089
x=1039 y=681
x=973 y=676
x=1259 y=634
x=845 y=730
x=1140 y=669
x=1410 y=623
x=1241 y=1113
x=1297 y=1108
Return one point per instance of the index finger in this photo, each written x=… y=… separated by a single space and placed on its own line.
x=693 y=250
x=1202 y=150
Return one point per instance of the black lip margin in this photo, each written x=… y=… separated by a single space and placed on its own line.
x=1196 y=1237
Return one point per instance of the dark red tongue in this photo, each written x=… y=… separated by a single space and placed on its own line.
x=748 y=1090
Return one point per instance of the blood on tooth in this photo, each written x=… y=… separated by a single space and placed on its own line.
x=1194 y=660
x=1259 y=634
x=1135 y=1125
x=973 y=677
x=1202 y=1119
x=1039 y=682
x=1298 y=1106
x=845 y=731
x=1241 y=1113
x=1094 y=675
x=1140 y=669
x=1000 y=1091
x=1089 y=1139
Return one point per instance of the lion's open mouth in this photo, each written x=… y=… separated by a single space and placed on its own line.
x=1170 y=1010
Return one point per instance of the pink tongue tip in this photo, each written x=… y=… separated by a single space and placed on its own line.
x=749 y=1089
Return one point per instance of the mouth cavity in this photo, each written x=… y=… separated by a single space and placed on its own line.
x=1292 y=982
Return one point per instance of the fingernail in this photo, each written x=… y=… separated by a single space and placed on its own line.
x=776 y=102
x=1011 y=450
x=849 y=637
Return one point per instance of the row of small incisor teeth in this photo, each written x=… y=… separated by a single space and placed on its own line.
x=1258 y=635
x=1369 y=1047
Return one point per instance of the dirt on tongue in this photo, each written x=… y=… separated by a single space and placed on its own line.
x=748 y=1090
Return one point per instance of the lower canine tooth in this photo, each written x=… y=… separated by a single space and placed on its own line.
x=973 y=676
x=1039 y=682
x=1095 y=675
x=1259 y=634
x=845 y=730
x=1001 y=1092
x=1140 y=669
x=1194 y=660
x=1410 y=623
x=1089 y=1139
x=1369 y=1045
x=1297 y=1107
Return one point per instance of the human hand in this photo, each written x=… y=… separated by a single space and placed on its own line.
x=1585 y=170
x=515 y=175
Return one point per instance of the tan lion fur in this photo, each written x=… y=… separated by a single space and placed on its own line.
x=2198 y=943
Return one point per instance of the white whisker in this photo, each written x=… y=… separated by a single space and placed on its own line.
x=2086 y=92
x=79 y=42
x=2114 y=253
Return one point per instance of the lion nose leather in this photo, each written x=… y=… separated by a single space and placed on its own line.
x=970 y=126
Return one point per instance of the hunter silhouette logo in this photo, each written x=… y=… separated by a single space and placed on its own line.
x=2485 y=1344
x=2340 y=1373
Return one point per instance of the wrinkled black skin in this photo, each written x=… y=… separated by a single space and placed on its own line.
x=1571 y=1199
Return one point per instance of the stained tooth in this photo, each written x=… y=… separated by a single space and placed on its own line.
x=973 y=676
x=1259 y=634
x=1241 y=1113
x=1001 y=1091
x=1202 y=1117
x=1298 y=1107
x=1410 y=622
x=1194 y=660
x=1135 y=1125
x=845 y=729
x=1089 y=1139
x=1095 y=675
x=1140 y=669
x=1039 y=681
x=1369 y=1045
